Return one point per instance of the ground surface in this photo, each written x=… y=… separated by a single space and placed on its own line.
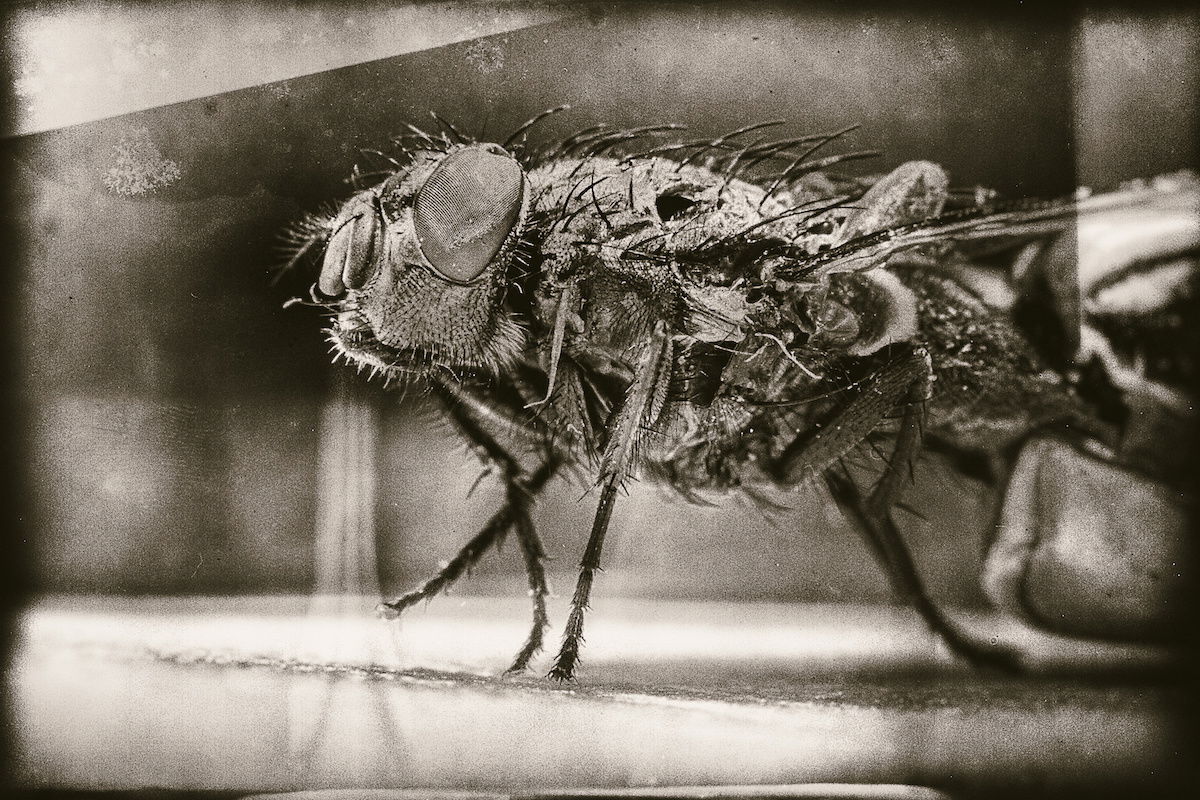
x=288 y=693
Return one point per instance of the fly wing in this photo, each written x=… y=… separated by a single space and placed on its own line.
x=1019 y=220
x=1070 y=246
x=914 y=191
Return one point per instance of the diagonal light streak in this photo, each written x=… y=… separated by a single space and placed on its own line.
x=80 y=62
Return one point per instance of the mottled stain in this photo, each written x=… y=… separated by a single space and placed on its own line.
x=140 y=167
x=485 y=55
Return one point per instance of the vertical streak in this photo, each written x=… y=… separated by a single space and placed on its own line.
x=352 y=512
x=368 y=432
x=330 y=500
x=346 y=584
x=345 y=562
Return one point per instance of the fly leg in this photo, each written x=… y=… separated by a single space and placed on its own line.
x=626 y=429
x=872 y=516
x=521 y=490
x=521 y=493
x=568 y=653
x=903 y=383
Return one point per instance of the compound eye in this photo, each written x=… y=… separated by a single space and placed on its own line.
x=466 y=209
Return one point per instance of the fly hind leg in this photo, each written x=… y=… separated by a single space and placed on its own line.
x=904 y=384
x=872 y=516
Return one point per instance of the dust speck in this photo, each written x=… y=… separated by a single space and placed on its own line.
x=140 y=167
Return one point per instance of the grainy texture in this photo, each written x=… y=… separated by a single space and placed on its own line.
x=721 y=314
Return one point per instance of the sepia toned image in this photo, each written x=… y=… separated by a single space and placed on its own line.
x=545 y=400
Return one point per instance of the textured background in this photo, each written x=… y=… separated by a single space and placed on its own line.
x=174 y=411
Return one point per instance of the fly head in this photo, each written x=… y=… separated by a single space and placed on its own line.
x=418 y=266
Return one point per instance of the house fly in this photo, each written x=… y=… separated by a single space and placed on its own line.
x=729 y=314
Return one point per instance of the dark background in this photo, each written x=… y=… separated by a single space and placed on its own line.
x=170 y=410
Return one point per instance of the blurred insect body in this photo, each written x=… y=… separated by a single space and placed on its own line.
x=721 y=315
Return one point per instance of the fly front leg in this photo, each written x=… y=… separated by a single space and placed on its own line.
x=533 y=554
x=902 y=383
x=521 y=490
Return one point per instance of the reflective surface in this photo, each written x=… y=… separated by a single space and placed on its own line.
x=258 y=694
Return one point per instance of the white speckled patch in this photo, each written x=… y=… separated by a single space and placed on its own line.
x=485 y=55
x=140 y=167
